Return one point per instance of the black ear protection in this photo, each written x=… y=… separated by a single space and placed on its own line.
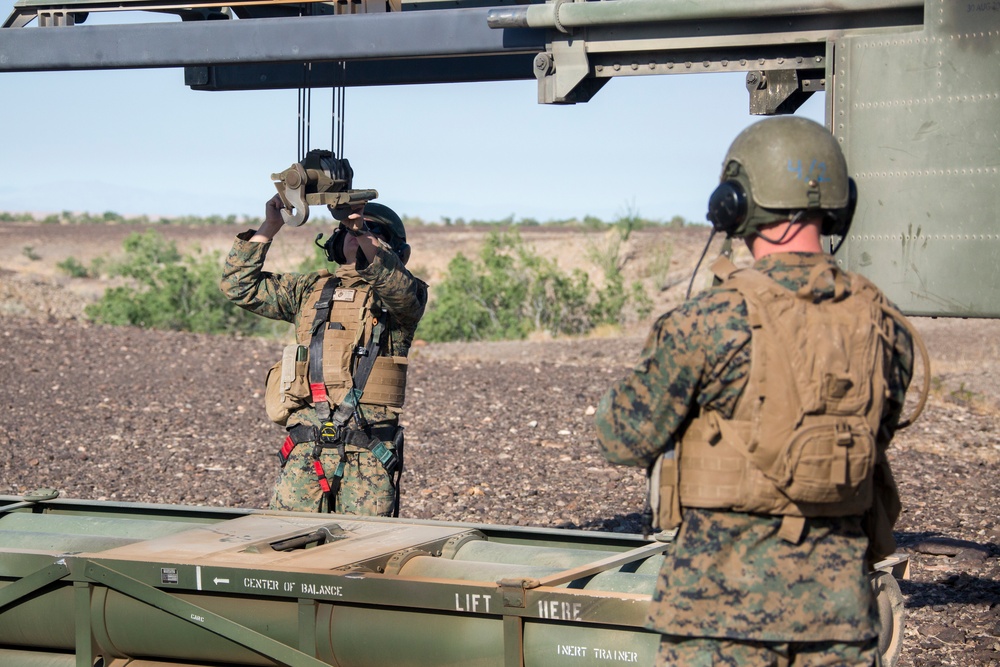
x=333 y=246
x=731 y=208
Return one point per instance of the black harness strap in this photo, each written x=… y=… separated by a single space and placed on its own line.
x=349 y=406
x=321 y=401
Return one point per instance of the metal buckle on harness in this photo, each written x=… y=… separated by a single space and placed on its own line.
x=329 y=433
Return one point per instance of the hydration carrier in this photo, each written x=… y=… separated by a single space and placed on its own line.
x=802 y=439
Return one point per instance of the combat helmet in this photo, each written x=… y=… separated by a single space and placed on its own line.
x=779 y=167
x=381 y=220
x=386 y=223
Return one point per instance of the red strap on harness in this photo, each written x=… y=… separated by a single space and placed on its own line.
x=286 y=449
x=323 y=483
x=318 y=391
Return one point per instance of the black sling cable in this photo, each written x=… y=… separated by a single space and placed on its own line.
x=338 y=110
x=305 y=97
x=305 y=111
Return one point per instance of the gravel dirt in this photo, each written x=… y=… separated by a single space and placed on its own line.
x=496 y=433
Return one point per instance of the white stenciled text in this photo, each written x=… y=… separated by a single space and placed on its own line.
x=562 y=611
x=260 y=584
x=474 y=602
x=616 y=655
x=322 y=589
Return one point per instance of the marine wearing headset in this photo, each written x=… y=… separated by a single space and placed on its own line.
x=763 y=408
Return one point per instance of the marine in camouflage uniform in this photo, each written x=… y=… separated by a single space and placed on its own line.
x=366 y=488
x=732 y=591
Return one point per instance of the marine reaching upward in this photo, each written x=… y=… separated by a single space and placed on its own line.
x=763 y=408
x=340 y=388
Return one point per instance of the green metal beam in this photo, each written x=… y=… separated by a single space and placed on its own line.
x=221 y=626
x=33 y=582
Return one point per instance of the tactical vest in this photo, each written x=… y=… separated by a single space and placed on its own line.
x=352 y=309
x=802 y=438
x=353 y=315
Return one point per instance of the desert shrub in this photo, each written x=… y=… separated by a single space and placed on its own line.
x=510 y=291
x=74 y=268
x=166 y=290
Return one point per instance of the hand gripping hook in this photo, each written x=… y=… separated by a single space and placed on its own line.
x=320 y=178
x=291 y=188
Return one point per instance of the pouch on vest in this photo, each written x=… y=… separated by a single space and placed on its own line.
x=387 y=382
x=664 y=499
x=287 y=384
x=830 y=462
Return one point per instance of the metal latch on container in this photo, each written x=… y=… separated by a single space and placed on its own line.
x=513 y=590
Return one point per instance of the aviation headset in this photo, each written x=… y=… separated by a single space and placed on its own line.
x=733 y=210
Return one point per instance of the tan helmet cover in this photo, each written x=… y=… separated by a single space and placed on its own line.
x=791 y=163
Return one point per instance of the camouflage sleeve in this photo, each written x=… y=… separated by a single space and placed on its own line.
x=639 y=414
x=697 y=355
x=403 y=294
x=244 y=282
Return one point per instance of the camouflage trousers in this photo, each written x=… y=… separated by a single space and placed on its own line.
x=717 y=652
x=366 y=488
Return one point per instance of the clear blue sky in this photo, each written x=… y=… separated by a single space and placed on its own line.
x=140 y=142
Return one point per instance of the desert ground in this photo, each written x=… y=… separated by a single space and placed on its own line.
x=496 y=432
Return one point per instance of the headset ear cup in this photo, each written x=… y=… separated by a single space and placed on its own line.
x=727 y=207
x=404 y=253
x=852 y=205
x=838 y=222
x=335 y=247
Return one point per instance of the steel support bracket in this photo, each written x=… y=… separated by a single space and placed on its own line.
x=84 y=639
x=781 y=91
x=513 y=591
x=609 y=563
x=513 y=641
x=563 y=71
x=898 y=565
